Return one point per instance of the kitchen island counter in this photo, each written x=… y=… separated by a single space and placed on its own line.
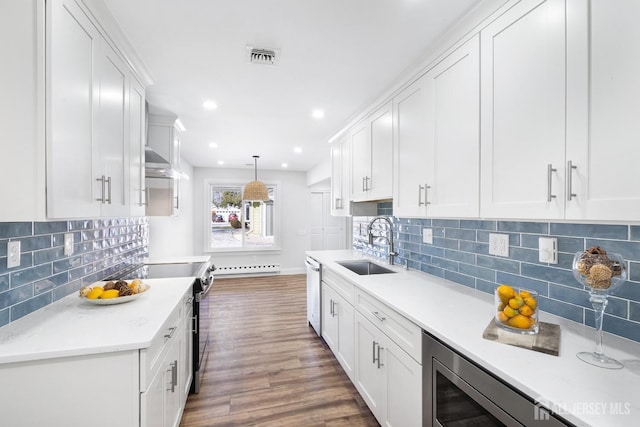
x=74 y=327
x=457 y=315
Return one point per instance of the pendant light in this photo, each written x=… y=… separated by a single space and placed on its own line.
x=256 y=190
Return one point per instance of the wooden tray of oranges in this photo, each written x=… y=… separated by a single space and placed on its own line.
x=113 y=292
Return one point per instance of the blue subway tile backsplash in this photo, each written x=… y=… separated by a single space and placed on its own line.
x=460 y=253
x=46 y=274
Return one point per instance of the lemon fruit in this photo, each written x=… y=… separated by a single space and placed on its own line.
x=525 y=310
x=531 y=302
x=516 y=302
x=505 y=292
x=111 y=293
x=519 y=321
x=510 y=312
x=95 y=293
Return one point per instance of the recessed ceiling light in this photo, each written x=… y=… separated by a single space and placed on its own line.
x=284 y=165
x=213 y=145
x=221 y=162
x=297 y=149
x=317 y=114
x=209 y=105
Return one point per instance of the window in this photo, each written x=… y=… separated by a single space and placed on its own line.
x=238 y=224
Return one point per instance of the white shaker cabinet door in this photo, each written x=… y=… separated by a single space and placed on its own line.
x=381 y=133
x=360 y=161
x=112 y=142
x=137 y=138
x=403 y=387
x=369 y=377
x=603 y=110
x=73 y=45
x=453 y=140
x=523 y=112
x=410 y=109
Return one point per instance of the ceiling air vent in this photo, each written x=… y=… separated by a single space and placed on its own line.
x=263 y=56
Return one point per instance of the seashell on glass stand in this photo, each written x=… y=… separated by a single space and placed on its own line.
x=601 y=273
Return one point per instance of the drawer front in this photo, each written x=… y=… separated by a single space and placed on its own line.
x=339 y=284
x=151 y=357
x=398 y=328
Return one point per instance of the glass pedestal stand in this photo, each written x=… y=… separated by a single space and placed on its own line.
x=598 y=300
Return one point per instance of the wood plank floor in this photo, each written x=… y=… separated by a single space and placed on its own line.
x=266 y=366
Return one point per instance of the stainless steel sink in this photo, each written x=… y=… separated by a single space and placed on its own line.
x=364 y=268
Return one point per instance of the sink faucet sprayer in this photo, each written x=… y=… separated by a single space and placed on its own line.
x=392 y=254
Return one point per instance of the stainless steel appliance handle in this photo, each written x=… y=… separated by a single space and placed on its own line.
x=311 y=266
x=570 y=168
x=195 y=325
x=550 y=171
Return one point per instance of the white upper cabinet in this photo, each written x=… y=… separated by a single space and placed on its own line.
x=112 y=168
x=410 y=109
x=437 y=140
x=603 y=102
x=523 y=112
x=137 y=139
x=73 y=49
x=340 y=181
x=372 y=156
x=72 y=119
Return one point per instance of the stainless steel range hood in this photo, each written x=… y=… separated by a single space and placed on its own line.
x=162 y=151
x=157 y=166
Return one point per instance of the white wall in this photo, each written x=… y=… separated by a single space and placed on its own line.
x=294 y=199
x=173 y=235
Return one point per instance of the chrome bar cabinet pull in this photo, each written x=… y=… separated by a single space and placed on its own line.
x=550 y=171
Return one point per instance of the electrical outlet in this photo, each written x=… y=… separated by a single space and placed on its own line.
x=499 y=244
x=548 y=247
x=427 y=235
x=68 y=244
x=13 y=254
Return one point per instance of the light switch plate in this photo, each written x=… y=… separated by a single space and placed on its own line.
x=548 y=250
x=499 y=244
x=427 y=235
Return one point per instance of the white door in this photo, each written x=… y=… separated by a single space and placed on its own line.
x=410 y=150
x=453 y=140
x=111 y=140
x=603 y=102
x=523 y=112
x=381 y=133
x=72 y=50
x=327 y=231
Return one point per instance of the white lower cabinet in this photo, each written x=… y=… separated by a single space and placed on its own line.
x=338 y=328
x=379 y=349
x=133 y=388
x=388 y=379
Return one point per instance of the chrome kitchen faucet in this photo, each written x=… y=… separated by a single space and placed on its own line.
x=392 y=253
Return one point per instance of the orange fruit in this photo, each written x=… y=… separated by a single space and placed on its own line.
x=111 y=293
x=531 y=302
x=502 y=317
x=95 y=293
x=519 y=321
x=505 y=292
x=525 y=294
x=516 y=302
x=525 y=310
x=510 y=312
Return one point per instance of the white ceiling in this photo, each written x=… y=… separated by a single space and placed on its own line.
x=336 y=55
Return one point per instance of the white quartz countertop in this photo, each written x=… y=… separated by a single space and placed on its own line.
x=457 y=315
x=73 y=326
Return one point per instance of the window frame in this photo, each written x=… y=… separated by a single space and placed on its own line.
x=277 y=212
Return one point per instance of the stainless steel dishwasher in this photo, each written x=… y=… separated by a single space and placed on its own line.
x=314 y=294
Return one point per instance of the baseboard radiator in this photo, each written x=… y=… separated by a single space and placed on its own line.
x=247 y=269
